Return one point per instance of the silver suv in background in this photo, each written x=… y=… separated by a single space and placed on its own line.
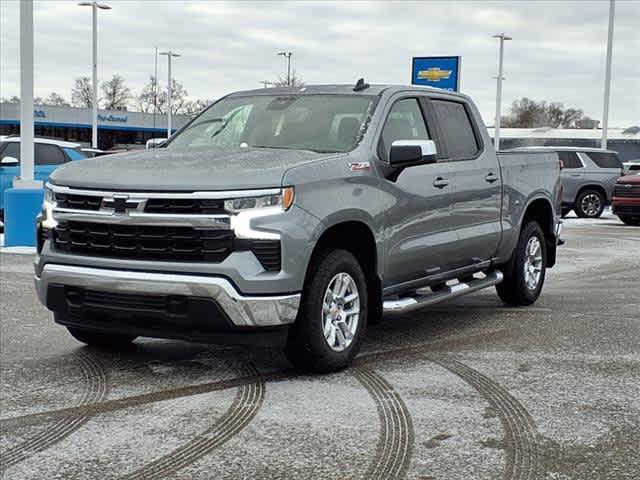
x=588 y=177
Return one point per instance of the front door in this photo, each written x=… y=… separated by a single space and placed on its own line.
x=418 y=235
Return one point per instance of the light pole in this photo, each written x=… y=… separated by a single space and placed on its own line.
x=169 y=55
x=287 y=55
x=607 y=78
x=496 y=134
x=94 y=60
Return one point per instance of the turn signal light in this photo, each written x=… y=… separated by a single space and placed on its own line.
x=287 y=197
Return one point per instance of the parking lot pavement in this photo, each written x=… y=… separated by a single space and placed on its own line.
x=465 y=390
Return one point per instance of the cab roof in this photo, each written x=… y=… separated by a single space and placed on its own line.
x=341 y=89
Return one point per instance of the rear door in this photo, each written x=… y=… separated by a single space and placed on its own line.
x=418 y=237
x=475 y=180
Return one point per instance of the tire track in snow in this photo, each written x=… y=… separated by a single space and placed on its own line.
x=94 y=381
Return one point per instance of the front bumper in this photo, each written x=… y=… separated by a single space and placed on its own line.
x=242 y=311
x=626 y=206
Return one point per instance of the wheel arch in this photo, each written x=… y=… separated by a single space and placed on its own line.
x=592 y=186
x=541 y=211
x=357 y=237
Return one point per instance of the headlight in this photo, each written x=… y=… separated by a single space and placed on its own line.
x=48 y=205
x=282 y=200
x=49 y=196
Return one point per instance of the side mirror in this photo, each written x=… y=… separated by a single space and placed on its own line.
x=407 y=153
x=155 y=143
x=9 y=161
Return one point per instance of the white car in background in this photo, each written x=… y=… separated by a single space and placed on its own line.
x=631 y=166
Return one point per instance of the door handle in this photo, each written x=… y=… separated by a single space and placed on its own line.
x=440 y=182
x=576 y=174
x=491 y=177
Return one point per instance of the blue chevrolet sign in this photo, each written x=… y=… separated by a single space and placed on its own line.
x=438 y=72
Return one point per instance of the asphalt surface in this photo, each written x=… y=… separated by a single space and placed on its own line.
x=465 y=390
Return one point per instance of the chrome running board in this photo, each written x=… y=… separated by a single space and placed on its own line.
x=406 y=304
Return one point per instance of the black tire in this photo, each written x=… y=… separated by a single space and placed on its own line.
x=100 y=339
x=630 y=220
x=307 y=349
x=565 y=211
x=514 y=290
x=589 y=204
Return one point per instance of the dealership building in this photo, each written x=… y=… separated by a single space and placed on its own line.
x=116 y=129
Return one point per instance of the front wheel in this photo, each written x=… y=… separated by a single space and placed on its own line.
x=524 y=274
x=630 y=220
x=333 y=314
x=590 y=204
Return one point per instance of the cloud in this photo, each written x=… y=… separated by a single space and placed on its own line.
x=557 y=53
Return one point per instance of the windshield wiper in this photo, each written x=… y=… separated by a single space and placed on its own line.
x=280 y=147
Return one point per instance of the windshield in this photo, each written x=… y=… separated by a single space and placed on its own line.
x=321 y=123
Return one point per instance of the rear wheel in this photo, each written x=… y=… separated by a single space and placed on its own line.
x=333 y=314
x=630 y=220
x=100 y=339
x=590 y=204
x=524 y=274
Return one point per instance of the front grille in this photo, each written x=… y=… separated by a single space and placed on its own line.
x=137 y=242
x=185 y=206
x=622 y=190
x=159 y=303
x=268 y=253
x=78 y=202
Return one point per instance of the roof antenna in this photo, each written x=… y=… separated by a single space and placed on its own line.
x=360 y=85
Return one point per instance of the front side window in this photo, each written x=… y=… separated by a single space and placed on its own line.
x=404 y=122
x=321 y=123
x=457 y=130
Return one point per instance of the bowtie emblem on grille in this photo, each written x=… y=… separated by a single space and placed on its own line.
x=121 y=203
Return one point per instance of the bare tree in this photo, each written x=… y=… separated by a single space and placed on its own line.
x=194 y=107
x=116 y=93
x=82 y=93
x=527 y=113
x=296 y=81
x=56 y=100
x=148 y=100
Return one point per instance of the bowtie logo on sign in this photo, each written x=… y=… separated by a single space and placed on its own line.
x=434 y=74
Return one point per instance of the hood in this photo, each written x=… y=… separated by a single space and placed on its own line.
x=632 y=179
x=183 y=170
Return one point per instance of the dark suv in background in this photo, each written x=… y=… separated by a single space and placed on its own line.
x=588 y=177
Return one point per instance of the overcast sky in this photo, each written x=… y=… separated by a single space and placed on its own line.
x=558 y=51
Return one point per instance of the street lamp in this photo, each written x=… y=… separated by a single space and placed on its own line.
x=496 y=134
x=169 y=55
x=94 y=60
x=287 y=55
x=607 y=77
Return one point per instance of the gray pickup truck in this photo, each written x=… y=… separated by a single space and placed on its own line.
x=294 y=217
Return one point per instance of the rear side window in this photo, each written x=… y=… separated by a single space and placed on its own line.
x=570 y=159
x=457 y=130
x=604 y=159
x=46 y=154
